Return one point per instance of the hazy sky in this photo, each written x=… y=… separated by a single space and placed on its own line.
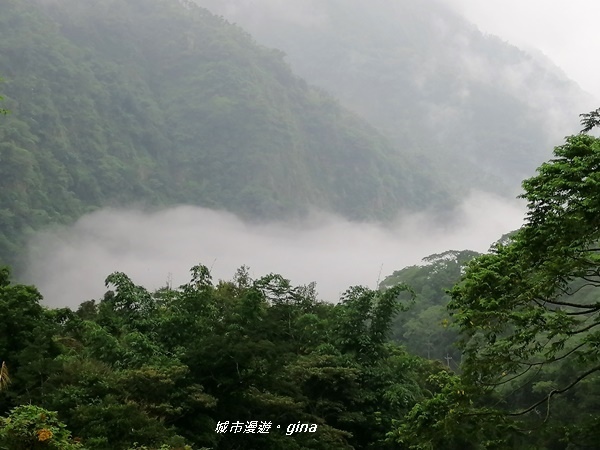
x=567 y=32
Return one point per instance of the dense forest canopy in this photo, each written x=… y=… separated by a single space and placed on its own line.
x=166 y=367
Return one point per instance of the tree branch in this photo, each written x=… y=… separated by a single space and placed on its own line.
x=570 y=352
x=582 y=330
x=572 y=305
x=556 y=392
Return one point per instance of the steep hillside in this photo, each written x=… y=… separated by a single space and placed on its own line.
x=489 y=112
x=156 y=102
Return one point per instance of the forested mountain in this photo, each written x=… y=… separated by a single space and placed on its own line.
x=487 y=111
x=156 y=102
x=425 y=327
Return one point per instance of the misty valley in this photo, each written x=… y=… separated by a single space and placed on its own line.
x=292 y=225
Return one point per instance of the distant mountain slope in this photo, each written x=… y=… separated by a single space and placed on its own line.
x=157 y=102
x=487 y=111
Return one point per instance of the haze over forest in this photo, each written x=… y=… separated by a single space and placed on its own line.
x=159 y=247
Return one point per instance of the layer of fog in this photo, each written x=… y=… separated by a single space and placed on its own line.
x=561 y=31
x=69 y=265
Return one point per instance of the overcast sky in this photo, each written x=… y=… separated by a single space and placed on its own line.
x=567 y=32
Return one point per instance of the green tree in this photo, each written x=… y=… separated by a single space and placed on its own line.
x=529 y=310
x=590 y=120
x=425 y=327
x=30 y=427
x=26 y=341
x=453 y=416
x=154 y=370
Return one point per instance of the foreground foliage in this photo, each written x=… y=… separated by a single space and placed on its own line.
x=528 y=313
x=149 y=369
x=31 y=427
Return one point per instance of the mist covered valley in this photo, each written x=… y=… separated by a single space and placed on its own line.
x=405 y=121
x=159 y=247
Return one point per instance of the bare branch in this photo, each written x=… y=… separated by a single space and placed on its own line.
x=508 y=380
x=582 y=330
x=573 y=305
x=556 y=392
x=541 y=363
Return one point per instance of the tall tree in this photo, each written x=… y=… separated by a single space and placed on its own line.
x=529 y=317
x=531 y=305
x=590 y=120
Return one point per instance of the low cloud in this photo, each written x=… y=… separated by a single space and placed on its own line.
x=69 y=265
x=565 y=31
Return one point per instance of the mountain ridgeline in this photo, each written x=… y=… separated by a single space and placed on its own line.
x=157 y=102
x=487 y=112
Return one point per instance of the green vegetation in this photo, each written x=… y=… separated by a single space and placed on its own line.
x=2 y=110
x=163 y=368
x=155 y=102
x=527 y=313
x=106 y=110
x=426 y=328
x=31 y=427
x=168 y=369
